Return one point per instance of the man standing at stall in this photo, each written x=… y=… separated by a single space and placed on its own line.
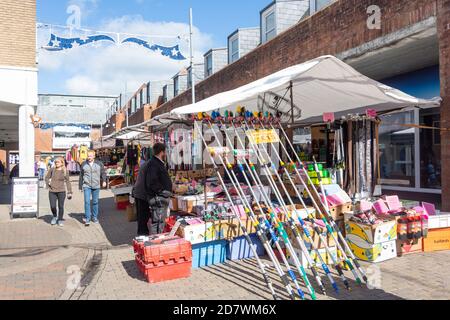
x=92 y=175
x=152 y=192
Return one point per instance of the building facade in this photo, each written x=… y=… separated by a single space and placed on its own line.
x=241 y=42
x=18 y=81
x=402 y=43
x=69 y=120
x=215 y=60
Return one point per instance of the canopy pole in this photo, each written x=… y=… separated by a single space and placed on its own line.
x=290 y=130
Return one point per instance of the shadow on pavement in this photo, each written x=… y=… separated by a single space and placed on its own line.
x=357 y=292
x=118 y=230
x=5 y=194
x=132 y=270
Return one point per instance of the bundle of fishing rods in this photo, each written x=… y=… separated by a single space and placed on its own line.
x=265 y=215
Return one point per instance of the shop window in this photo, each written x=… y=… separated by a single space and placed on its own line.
x=430 y=149
x=397 y=150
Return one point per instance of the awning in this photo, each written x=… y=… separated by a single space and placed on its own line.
x=325 y=84
x=141 y=131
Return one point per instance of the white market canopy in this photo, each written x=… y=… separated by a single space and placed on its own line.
x=325 y=84
x=141 y=131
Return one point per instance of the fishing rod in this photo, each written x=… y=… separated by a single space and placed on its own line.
x=315 y=226
x=260 y=234
x=289 y=246
x=267 y=223
x=331 y=225
x=328 y=227
x=294 y=226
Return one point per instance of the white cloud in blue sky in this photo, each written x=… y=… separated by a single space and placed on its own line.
x=106 y=69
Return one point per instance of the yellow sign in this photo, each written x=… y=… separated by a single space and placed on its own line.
x=263 y=136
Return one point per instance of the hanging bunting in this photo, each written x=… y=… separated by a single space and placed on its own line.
x=58 y=43
x=171 y=52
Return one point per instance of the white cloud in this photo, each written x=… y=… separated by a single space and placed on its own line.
x=104 y=70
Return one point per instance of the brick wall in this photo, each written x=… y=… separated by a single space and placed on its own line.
x=337 y=28
x=444 y=48
x=18 y=33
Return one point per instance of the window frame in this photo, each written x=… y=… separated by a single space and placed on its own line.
x=209 y=69
x=231 y=54
x=269 y=12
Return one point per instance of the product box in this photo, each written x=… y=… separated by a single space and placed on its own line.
x=337 y=212
x=208 y=253
x=300 y=211
x=373 y=234
x=239 y=249
x=131 y=213
x=369 y=252
x=315 y=237
x=122 y=198
x=173 y=204
x=437 y=240
x=228 y=229
x=409 y=246
x=197 y=233
x=439 y=221
x=313 y=254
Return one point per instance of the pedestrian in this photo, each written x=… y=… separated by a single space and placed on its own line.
x=92 y=177
x=58 y=184
x=14 y=172
x=2 y=168
x=42 y=167
x=152 y=192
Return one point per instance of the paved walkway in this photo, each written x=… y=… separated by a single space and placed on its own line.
x=38 y=261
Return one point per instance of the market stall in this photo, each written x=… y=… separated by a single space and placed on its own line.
x=267 y=197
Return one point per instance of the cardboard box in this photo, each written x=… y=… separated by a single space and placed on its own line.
x=173 y=205
x=316 y=260
x=300 y=211
x=229 y=229
x=131 y=213
x=409 y=247
x=370 y=252
x=315 y=237
x=437 y=240
x=373 y=234
x=196 y=233
x=122 y=198
x=439 y=221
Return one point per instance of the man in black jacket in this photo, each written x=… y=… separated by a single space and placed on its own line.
x=152 y=191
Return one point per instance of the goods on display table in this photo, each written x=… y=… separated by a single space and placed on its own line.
x=300 y=214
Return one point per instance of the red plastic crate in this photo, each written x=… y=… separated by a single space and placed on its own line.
x=165 y=272
x=165 y=250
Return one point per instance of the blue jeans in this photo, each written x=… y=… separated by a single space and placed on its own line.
x=95 y=193
x=41 y=174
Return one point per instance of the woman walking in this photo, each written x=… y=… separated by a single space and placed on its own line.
x=57 y=181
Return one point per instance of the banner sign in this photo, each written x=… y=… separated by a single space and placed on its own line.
x=263 y=136
x=25 y=196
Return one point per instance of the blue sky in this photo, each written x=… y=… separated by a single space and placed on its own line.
x=86 y=70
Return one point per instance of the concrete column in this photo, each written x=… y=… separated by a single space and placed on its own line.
x=26 y=141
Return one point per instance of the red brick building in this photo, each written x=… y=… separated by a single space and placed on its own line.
x=412 y=42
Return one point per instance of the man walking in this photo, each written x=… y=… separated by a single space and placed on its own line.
x=152 y=192
x=91 y=175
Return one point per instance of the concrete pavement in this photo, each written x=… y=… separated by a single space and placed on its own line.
x=38 y=261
